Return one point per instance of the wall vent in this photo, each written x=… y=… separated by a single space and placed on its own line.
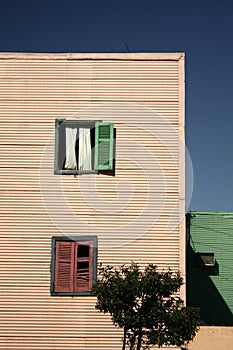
x=205 y=259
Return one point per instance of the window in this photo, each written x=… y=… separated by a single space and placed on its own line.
x=83 y=147
x=73 y=265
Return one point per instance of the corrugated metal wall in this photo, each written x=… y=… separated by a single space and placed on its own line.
x=211 y=288
x=136 y=213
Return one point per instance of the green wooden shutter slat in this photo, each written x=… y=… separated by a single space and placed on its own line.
x=104 y=137
x=64 y=267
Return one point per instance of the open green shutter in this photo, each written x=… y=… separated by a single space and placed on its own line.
x=104 y=136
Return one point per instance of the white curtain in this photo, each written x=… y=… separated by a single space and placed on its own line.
x=71 y=136
x=84 y=149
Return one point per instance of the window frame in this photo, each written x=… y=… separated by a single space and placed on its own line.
x=81 y=123
x=75 y=239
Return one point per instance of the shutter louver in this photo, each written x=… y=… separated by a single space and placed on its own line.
x=64 y=267
x=82 y=276
x=83 y=268
x=104 y=136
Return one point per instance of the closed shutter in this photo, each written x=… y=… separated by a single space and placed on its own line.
x=64 y=268
x=104 y=135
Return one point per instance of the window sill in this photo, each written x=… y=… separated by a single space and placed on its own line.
x=74 y=172
x=53 y=294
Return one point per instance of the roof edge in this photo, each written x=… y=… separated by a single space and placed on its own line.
x=204 y=212
x=174 y=56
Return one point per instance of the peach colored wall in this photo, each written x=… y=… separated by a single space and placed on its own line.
x=213 y=338
x=132 y=90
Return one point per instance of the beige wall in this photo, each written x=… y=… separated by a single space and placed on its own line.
x=213 y=338
x=136 y=214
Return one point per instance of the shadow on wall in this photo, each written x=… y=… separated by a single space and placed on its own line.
x=201 y=292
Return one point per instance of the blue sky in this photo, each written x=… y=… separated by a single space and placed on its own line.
x=201 y=29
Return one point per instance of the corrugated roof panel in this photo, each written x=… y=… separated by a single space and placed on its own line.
x=212 y=232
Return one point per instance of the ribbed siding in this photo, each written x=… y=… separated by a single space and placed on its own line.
x=34 y=91
x=212 y=232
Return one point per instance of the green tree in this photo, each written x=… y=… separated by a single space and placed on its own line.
x=146 y=305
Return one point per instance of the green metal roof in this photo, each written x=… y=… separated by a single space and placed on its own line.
x=211 y=288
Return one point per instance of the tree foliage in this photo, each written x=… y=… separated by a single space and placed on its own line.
x=146 y=305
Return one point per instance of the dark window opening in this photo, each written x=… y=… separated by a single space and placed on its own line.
x=83 y=251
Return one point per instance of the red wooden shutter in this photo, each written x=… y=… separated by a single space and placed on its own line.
x=83 y=266
x=64 y=268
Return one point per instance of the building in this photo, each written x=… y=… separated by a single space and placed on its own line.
x=92 y=170
x=209 y=266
